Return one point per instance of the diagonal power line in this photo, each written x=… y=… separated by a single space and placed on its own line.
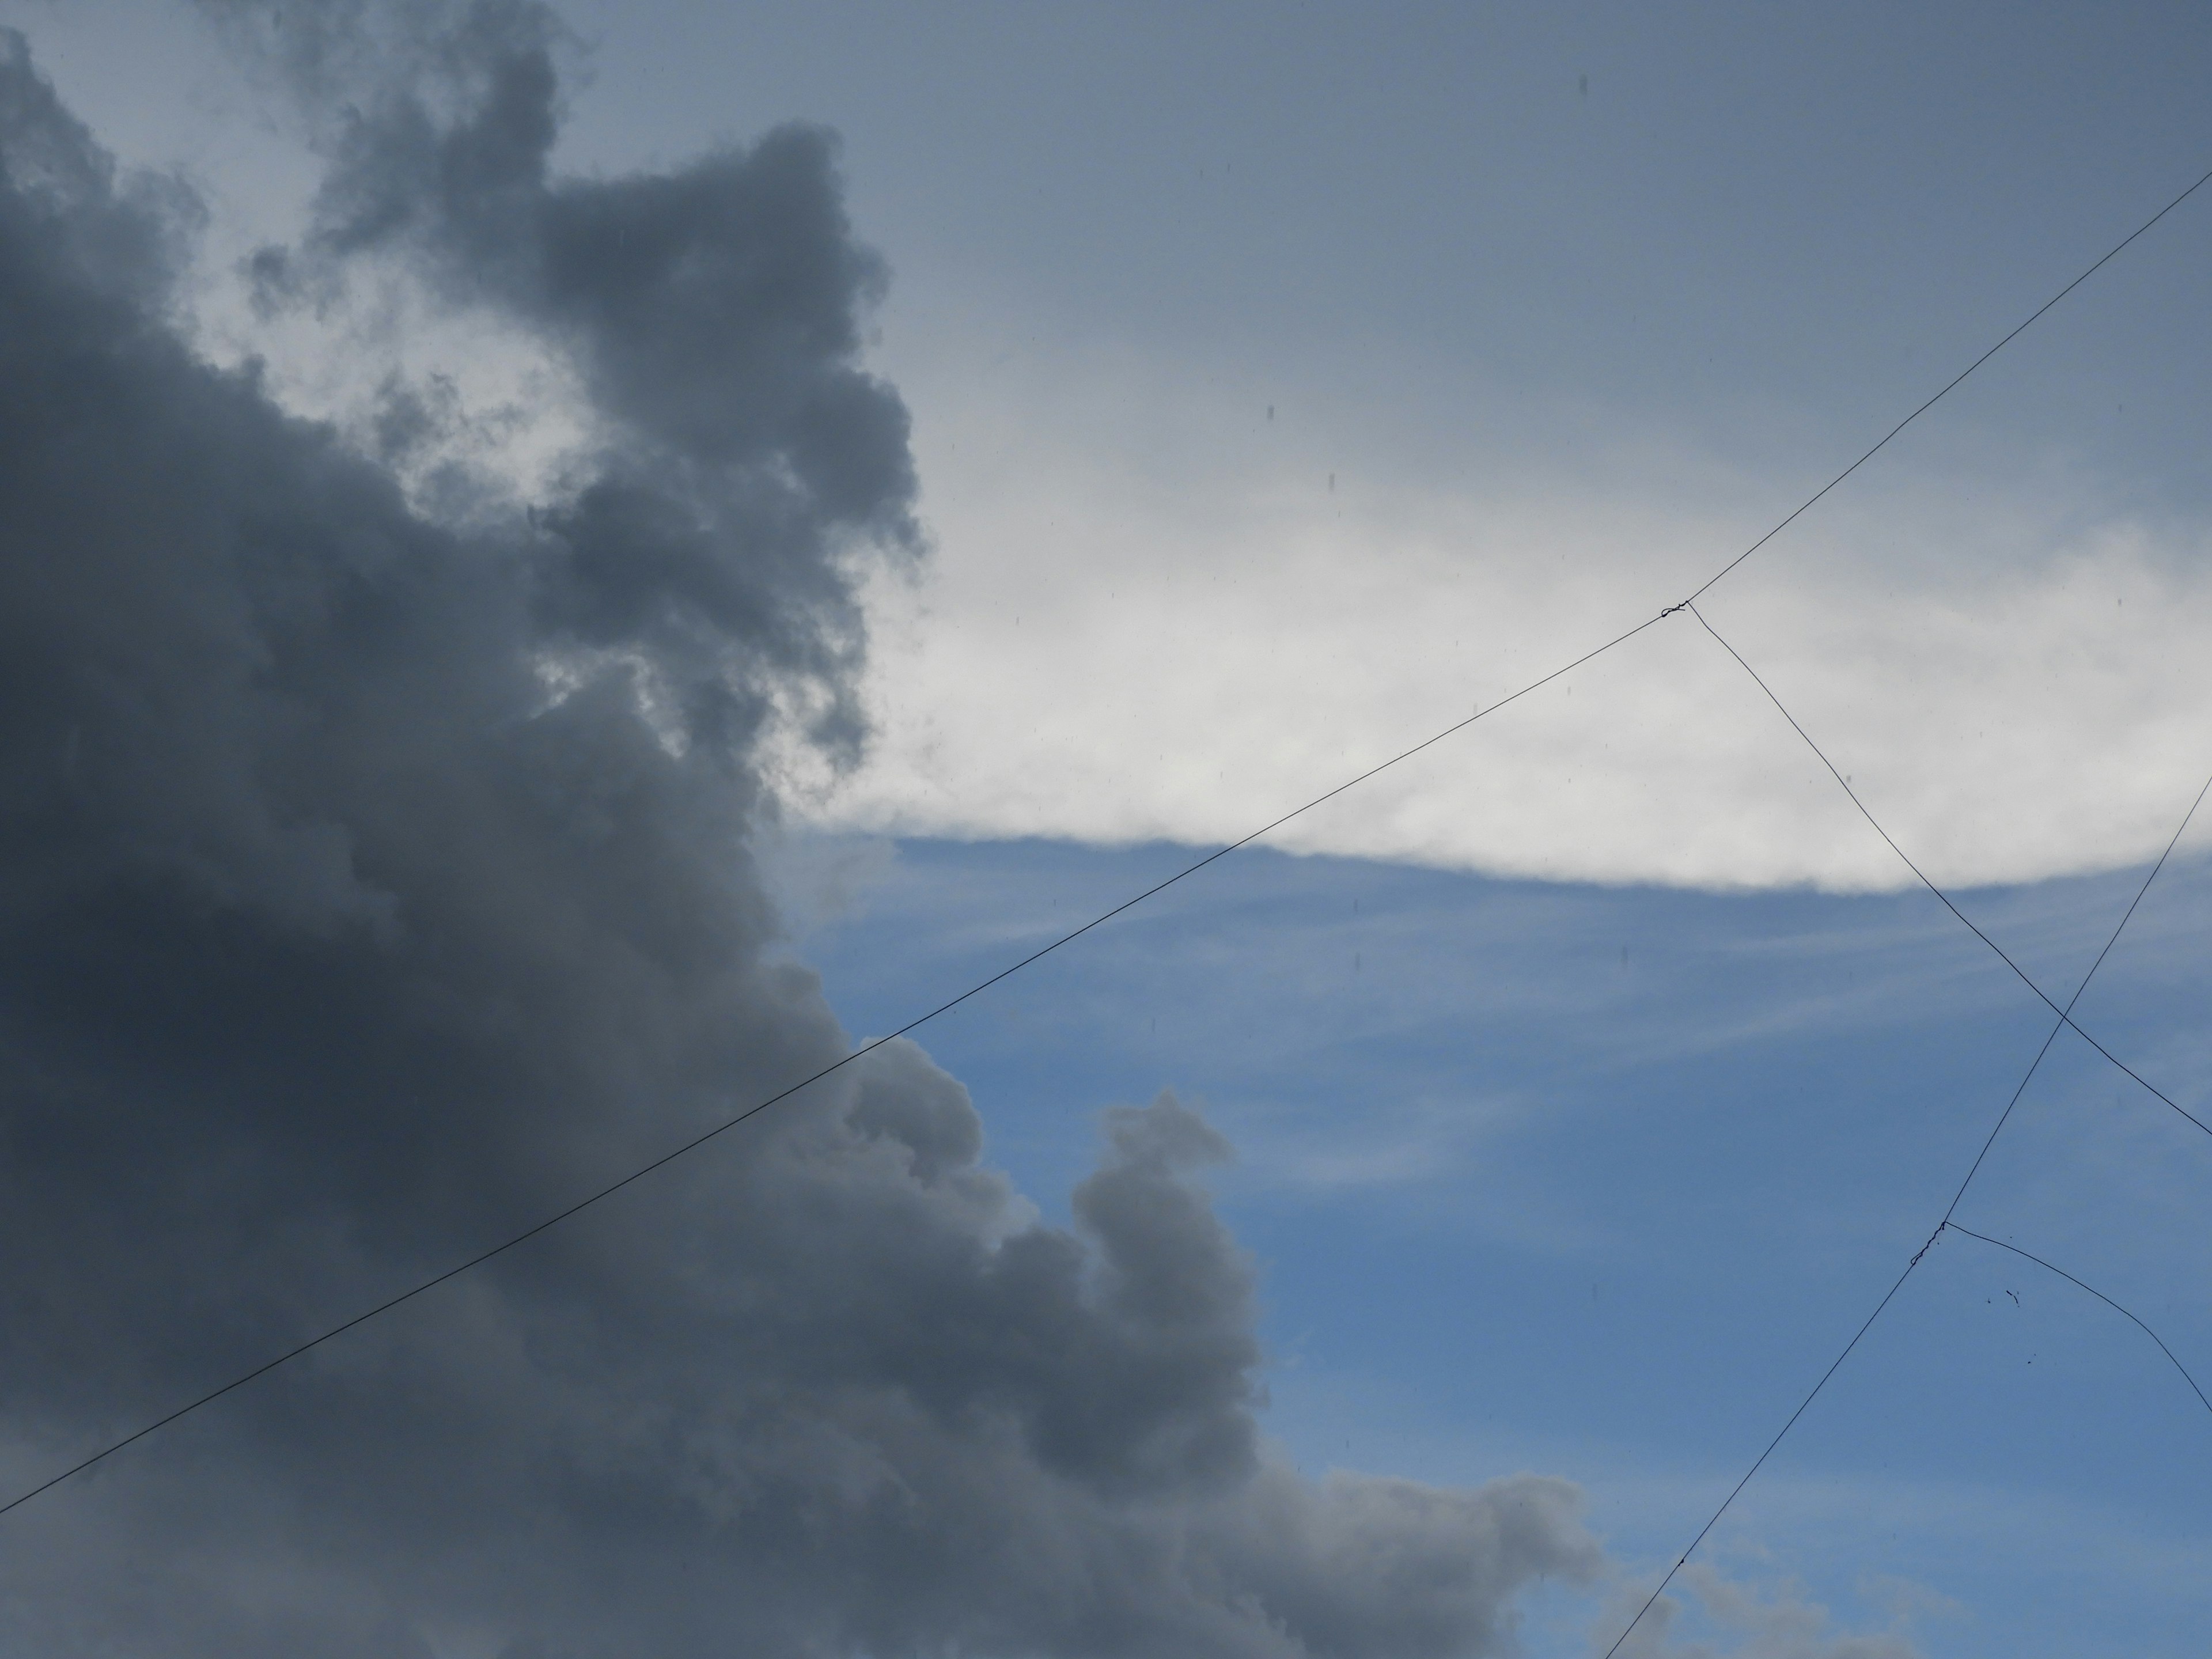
x=2064 y=1020
x=2110 y=254
x=2065 y=1015
x=697 y=1141
x=730 y=1123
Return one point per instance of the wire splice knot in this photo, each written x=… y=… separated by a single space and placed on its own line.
x=1928 y=1246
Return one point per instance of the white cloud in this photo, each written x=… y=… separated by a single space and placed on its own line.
x=1152 y=615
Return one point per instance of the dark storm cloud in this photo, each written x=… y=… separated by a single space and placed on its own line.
x=333 y=946
x=712 y=314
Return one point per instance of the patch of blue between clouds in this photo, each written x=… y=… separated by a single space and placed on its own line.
x=1597 y=1181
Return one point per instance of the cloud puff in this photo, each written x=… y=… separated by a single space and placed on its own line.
x=375 y=883
x=1780 y=1624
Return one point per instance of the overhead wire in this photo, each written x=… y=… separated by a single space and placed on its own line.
x=2065 y=1020
x=2110 y=254
x=692 y=1145
x=2054 y=1268
x=2065 y=1014
x=730 y=1123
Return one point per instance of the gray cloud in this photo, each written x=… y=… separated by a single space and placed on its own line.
x=711 y=313
x=1772 y=1621
x=334 y=944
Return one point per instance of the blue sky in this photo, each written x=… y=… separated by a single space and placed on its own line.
x=1598 y=1180
x=1289 y=381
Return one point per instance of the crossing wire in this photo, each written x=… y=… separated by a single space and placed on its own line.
x=2065 y=1014
x=2065 y=1020
x=697 y=1141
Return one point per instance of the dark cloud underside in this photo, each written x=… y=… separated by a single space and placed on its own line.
x=334 y=944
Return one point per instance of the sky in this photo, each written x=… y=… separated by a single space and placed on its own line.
x=564 y=569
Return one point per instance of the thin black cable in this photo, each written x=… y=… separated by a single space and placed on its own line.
x=2064 y=1021
x=2111 y=255
x=2065 y=1017
x=697 y=1141
x=1802 y=1406
x=610 y=1189
x=2101 y=1297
